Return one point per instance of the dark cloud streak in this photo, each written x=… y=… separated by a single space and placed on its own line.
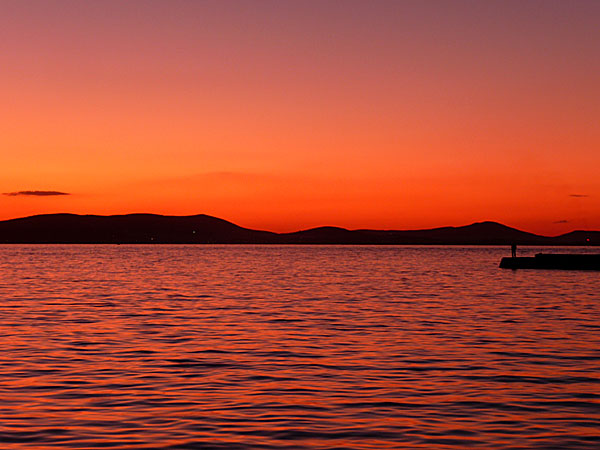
x=35 y=193
x=579 y=195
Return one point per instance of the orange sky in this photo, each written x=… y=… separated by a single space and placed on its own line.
x=287 y=115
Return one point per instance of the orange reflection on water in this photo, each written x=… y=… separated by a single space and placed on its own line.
x=304 y=347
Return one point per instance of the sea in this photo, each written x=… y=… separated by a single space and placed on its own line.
x=295 y=347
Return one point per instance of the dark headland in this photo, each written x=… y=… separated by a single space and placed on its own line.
x=203 y=229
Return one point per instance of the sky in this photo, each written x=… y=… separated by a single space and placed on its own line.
x=284 y=115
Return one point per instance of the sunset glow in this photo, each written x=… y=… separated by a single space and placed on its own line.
x=287 y=115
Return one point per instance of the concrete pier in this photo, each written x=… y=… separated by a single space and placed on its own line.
x=561 y=261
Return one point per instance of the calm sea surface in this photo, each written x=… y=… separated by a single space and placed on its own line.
x=290 y=347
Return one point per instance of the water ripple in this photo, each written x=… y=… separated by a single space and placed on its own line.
x=283 y=347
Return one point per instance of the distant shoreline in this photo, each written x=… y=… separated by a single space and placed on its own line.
x=204 y=229
x=275 y=244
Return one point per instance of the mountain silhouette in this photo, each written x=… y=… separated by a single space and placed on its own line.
x=129 y=228
x=203 y=229
x=477 y=233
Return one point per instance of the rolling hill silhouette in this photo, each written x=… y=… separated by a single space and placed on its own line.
x=203 y=229
x=129 y=228
x=477 y=233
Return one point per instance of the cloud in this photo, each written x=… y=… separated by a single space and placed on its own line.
x=35 y=193
x=579 y=195
x=561 y=221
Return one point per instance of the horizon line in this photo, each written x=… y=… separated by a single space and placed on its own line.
x=303 y=229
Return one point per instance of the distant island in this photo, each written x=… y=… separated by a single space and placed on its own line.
x=203 y=229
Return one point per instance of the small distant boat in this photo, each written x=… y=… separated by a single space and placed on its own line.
x=562 y=261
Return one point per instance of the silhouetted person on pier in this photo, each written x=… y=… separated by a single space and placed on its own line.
x=513 y=250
